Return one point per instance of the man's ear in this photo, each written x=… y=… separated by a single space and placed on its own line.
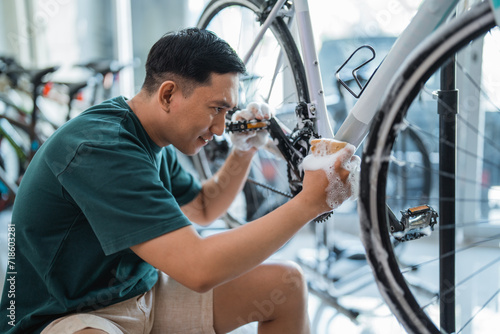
x=165 y=93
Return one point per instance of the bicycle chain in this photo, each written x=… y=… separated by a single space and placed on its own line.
x=265 y=186
x=321 y=218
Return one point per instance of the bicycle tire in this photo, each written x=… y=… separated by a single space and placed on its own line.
x=393 y=279
x=265 y=169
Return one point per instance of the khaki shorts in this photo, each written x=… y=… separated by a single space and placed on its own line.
x=168 y=307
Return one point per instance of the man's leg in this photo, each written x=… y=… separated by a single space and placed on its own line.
x=274 y=294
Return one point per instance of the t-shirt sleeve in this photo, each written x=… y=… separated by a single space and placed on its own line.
x=119 y=190
x=183 y=185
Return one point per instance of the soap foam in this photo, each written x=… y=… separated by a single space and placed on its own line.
x=247 y=140
x=337 y=191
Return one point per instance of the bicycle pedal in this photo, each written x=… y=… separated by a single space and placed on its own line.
x=415 y=223
x=245 y=126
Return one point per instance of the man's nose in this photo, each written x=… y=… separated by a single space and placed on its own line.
x=219 y=124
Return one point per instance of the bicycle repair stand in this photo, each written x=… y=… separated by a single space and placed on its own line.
x=447 y=110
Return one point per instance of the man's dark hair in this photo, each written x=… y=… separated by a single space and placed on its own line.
x=189 y=57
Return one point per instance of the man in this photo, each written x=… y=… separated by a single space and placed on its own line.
x=104 y=241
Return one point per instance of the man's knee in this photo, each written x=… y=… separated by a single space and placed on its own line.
x=91 y=331
x=287 y=281
x=294 y=276
x=273 y=290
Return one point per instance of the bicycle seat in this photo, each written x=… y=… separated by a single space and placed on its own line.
x=7 y=62
x=10 y=68
x=102 y=66
x=36 y=76
x=74 y=88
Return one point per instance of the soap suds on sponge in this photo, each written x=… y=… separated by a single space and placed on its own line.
x=324 y=154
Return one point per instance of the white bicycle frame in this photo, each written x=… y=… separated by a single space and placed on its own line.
x=431 y=14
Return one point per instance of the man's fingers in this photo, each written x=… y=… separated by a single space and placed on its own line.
x=346 y=153
x=254 y=110
x=345 y=157
x=247 y=140
x=266 y=111
x=355 y=159
x=243 y=115
x=341 y=171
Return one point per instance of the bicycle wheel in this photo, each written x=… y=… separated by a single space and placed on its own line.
x=424 y=295
x=275 y=75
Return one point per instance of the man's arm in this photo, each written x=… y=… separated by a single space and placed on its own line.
x=218 y=192
x=203 y=263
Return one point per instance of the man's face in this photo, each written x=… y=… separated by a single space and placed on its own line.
x=202 y=114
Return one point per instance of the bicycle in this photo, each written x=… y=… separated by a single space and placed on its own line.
x=51 y=104
x=23 y=128
x=101 y=79
x=428 y=42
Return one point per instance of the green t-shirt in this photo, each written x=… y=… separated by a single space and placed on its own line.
x=98 y=186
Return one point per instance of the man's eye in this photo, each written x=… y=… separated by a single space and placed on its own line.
x=218 y=109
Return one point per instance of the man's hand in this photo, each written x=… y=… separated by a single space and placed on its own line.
x=336 y=174
x=343 y=178
x=251 y=140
